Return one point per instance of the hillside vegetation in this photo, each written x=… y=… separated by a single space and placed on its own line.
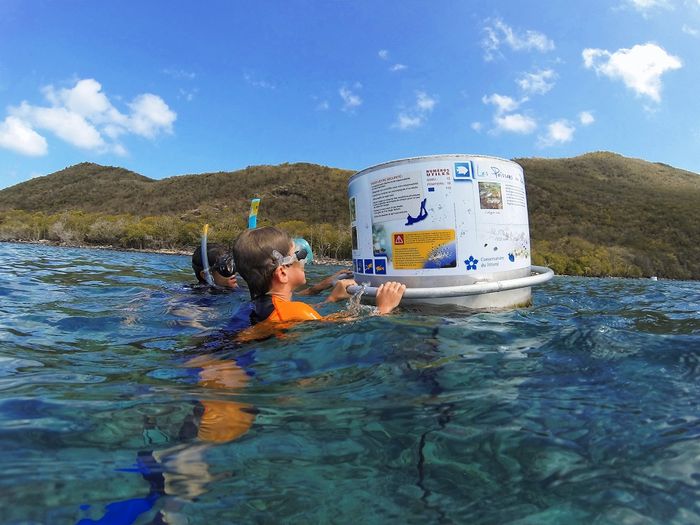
x=597 y=214
x=290 y=192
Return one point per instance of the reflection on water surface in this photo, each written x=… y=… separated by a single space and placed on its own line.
x=121 y=396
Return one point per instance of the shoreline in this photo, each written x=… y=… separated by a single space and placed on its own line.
x=322 y=261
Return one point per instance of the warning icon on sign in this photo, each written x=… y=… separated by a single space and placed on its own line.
x=398 y=238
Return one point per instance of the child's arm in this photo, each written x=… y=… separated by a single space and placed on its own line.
x=324 y=284
x=340 y=290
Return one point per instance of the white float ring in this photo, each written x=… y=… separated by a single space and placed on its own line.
x=540 y=274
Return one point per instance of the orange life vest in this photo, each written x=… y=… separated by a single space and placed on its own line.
x=272 y=315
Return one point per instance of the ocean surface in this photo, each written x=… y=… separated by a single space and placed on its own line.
x=123 y=399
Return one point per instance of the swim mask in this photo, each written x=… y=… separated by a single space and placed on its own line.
x=302 y=244
x=225 y=266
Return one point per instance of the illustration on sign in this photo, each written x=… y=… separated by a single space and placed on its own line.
x=369 y=266
x=428 y=249
x=490 y=197
x=380 y=266
x=444 y=256
x=464 y=171
x=422 y=214
x=353 y=209
x=379 y=240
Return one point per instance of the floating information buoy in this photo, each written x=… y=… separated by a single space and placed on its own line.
x=453 y=228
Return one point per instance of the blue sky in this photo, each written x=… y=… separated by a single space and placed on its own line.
x=171 y=88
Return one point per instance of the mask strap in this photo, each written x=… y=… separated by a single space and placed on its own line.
x=280 y=259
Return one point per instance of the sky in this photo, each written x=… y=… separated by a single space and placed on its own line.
x=168 y=88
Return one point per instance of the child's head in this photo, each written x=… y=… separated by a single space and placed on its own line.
x=257 y=254
x=220 y=262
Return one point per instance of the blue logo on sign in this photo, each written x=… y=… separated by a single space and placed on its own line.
x=380 y=266
x=369 y=266
x=464 y=171
x=471 y=263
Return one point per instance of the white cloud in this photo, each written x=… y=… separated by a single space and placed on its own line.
x=323 y=105
x=17 y=136
x=498 y=33
x=515 y=123
x=188 y=94
x=507 y=121
x=558 y=132
x=405 y=121
x=640 y=67
x=120 y=150
x=586 y=118
x=258 y=83
x=424 y=103
x=65 y=124
x=537 y=83
x=85 y=99
x=84 y=117
x=503 y=103
x=415 y=116
x=476 y=126
x=384 y=55
x=644 y=6
x=150 y=115
x=179 y=73
x=691 y=30
x=351 y=100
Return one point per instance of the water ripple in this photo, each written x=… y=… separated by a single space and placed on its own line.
x=580 y=409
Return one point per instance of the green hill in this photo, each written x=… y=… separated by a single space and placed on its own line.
x=290 y=191
x=597 y=214
x=645 y=214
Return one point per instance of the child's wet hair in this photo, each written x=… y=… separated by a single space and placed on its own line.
x=253 y=254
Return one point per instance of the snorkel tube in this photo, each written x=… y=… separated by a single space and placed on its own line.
x=253 y=215
x=299 y=243
x=205 y=257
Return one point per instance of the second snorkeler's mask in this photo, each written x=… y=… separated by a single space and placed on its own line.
x=225 y=266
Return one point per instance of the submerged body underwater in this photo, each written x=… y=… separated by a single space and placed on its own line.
x=122 y=400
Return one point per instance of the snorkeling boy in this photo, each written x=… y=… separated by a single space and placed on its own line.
x=273 y=268
x=221 y=267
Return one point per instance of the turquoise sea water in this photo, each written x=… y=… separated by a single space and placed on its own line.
x=584 y=408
